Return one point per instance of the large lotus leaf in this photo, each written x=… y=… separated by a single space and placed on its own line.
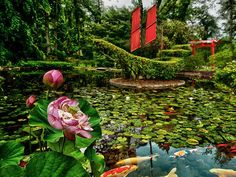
x=11 y=153
x=11 y=171
x=55 y=165
x=96 y=161
x=85 y=142
x=93 y=115
x=38 y=115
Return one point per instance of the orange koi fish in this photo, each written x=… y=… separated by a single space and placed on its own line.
x=179 y=153
x=134 y=160
x=120 y=171
x=172 y=173
x=223 y=172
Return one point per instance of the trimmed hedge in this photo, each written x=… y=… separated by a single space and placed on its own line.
x=134 y=66
x=46 y=64
x=174 y=53
x=182 y=46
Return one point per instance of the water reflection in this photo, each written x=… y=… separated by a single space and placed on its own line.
x=195 y=163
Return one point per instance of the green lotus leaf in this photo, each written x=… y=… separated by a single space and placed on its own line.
x=38 y=115
x=54 y=164
x=97 y=162
x=11 y=171
x=11 y=153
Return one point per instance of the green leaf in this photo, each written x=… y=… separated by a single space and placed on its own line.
x=54 y=136
x=11 y=171
x=38 y=115
x=55 y=165
x=93 y=115
x=85 y=142
x=11 y=153
x=96 y=161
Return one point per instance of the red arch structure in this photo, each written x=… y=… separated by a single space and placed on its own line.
x=203 y=43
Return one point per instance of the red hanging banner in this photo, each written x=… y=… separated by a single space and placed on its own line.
x=136 y=14
x=135 y=42
x=151 y=25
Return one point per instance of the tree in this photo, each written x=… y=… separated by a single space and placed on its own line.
x=202 y=21
x=228 y=13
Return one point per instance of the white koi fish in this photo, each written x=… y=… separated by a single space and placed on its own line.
x=135 y=160
x=172 y=173
x=223 y=172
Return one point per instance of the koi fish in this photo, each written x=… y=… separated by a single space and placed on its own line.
x=134 y=160
x=179 y=153
x=172 y=173
x=120 y=171
x=193 y=150
x=223 y=172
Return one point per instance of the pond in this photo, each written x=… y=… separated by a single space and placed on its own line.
x=170 y=120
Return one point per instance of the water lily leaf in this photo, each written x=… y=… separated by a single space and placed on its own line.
x=54 y=164
x=192 y=141
x=11 y=153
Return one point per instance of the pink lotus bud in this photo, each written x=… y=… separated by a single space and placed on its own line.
x=53 y=78
x=30 y=101
x=65 y=114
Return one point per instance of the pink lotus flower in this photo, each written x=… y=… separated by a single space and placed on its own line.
x=65 y=114
x=53 y=78
x=30 y=101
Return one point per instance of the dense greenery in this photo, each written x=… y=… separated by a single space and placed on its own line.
x=136 y=66
x=227 y=75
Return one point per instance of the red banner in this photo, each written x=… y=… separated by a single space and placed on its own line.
x=136 y=14
x=135 y=42
x=151 y=25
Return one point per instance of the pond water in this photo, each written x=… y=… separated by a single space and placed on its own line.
x=174 y=119
x=195 y=163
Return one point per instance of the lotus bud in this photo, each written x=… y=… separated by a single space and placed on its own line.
x=30 y=101
x=53 y=78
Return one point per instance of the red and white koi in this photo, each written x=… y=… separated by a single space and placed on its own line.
x=135 y=160
x=120 y=171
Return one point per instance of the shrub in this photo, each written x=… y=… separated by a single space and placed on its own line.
x=227 y=75
x=46 y=64
x=221 y=58
x=194 y=62
x=182 y=46
x=174 y=53
x=135 y=66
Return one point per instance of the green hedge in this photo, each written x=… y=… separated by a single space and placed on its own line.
x=135 y=66
x=227 y=75
x=182 y=46
x=221 y=58
x=46 y=64
x=174 y=53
